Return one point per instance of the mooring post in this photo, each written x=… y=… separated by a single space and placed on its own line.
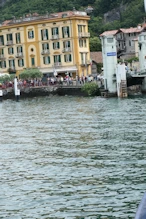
x=1 y=95
x=16 y=90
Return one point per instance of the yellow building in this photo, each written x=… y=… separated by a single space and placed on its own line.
x=53 y=43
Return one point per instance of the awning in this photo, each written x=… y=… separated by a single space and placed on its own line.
x=59 y=70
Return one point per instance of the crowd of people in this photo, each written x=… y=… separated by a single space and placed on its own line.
x=46 y=81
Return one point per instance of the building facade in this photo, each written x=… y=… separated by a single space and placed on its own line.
x=52 y=43
x=126 y=38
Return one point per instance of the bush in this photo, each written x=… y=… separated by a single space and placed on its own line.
x=31 y=74
x=91 y=89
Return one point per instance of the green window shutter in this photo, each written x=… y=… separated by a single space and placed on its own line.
x=57 y=30
x=58 y=45
x=68 y=31
x=12 y=50
x=32 y=34
x=62 y=32
x=44 y=60
x=22 y=62
x=70 y=57
x=65 y=58
x=59 y=58
x=42 y=34
x=53 y=45
x=32 y=61
x=47 y=33
x=49 y=59
x=68 y=43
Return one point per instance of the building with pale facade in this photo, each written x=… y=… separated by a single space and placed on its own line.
x=53 y=43
x=126 y=38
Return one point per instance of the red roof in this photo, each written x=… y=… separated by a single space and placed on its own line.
x=108 y=33
x=96 y=56
x=132 y=30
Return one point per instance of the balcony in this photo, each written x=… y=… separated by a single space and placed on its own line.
x=55 y=37
x=10 y=42
x=2 y=57
x=68 y=49
x=84 y=35
x=57 y=64
x=45 y=52
x=12 y=70
x=85 y=64
x=19 y=55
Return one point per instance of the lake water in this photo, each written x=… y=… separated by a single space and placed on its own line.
x=72 y=157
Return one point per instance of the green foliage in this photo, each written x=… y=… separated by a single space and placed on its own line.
x=91 y=89
x=6 y=78
x=31 y=74
x=133 y=15
x=95 y=44
x=133 y=59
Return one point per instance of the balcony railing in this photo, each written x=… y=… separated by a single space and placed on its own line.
x=45 y=52
x=68 y=49
x=10 y=42
x=84 y=34
x=20 y=54
x=2 y=56
x=12 y=69
x=84 y=64
x=55 y=37
x=57 y=64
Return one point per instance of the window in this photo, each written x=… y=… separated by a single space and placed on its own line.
x=129 y=42
x=30 y=34
x=85 y=43
x=20 y=62
x=1 y=52
x=19 y=49
x=3 y=64
x=129 y=34
x=66 y=44
x=83 y=58
x=81 y=28
x=65 y=32
x=56 y=45
x=1 y=40
x=57 y=58
x=110 y=40
x=12 y=64
x=32 y=61
x=10 y=51
x=81 y=43
x=55 y=31
x=46 y=60
x=45 y=46
x=67 y=58
x=9 y=37
x=44 y=34
x=18 y=38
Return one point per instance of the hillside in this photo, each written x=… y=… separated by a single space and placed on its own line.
x=131 y=16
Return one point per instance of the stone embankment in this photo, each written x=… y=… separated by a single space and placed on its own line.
x=25 y=92
x=8 y=93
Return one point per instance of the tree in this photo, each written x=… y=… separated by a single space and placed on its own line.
x=95 y=44
x=31 y=73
